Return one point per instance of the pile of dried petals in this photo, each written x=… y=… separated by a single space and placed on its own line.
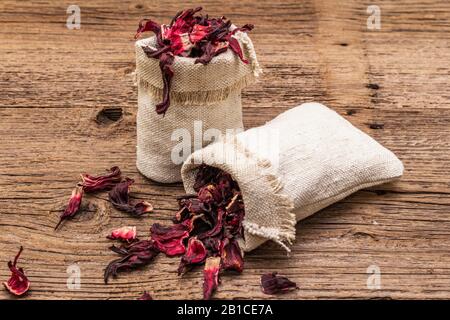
x=189 y=35
x=118 y=194
x=206 y=230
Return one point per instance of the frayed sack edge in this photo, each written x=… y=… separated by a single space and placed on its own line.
x=269 y=185
x=209 y=96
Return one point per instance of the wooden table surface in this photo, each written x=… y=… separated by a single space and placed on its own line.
x=392 y=83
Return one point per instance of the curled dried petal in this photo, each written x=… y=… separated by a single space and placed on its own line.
x=170 y=239
x=73 y=206
x=147 y=25
x=135 y=255
x=119 y=197
x=271 y=283
x=210 y=277
x=231 y=255
x=195 y=254
x=18 y=284
x=100 y=183
x=127 y=234
x=145 y=296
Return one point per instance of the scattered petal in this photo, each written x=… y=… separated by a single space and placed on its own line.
x=231 y=255
x=120 y=199
x=127 y=234
x=271 y=283
x=100 y=183
x=145 y=296
x=210 y=276
x=195 y=254
x=170 y=239
x=18 y=284
x=73 y=206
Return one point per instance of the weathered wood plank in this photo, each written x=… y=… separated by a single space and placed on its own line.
x=54 y=81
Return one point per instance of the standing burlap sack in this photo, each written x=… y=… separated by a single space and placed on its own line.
x=208 y=93
x=320 y=158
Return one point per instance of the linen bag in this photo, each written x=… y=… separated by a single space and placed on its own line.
x=208 y=93
x=317 y=158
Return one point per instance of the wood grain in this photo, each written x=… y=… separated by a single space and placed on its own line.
x=54 y=81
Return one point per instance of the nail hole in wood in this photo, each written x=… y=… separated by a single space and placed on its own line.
x=108 y=116
x=376 y=126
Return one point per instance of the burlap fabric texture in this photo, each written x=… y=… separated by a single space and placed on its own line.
x=207 y=94
x=317 y=158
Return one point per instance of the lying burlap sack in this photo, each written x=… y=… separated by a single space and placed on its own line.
x=208 y=93
x=315 y=158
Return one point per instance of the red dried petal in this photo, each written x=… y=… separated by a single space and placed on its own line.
x=199 y=32
x=271 y=283
x=236 y=48
x=18 y=284
x=210 y=277
x=135 y=255
x=170 y=239
x=231 y=255
x=73 y=206
x=100 y=183
x=165 y=64
x=147 y=25
x=218 y=227
x=210 y=194
x=127 y=234
x=119 y=197
x=195 y=254
x=145 y=296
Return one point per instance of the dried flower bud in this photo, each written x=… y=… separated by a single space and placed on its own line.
x=127 y=234
x=120 y=199
x=273 y=284
x=145 y=296
x=100 y=183
x=170 y=239
x=73 y=206
x=210 y=276
x=231 y=255
x=18 y=284
x=134 y=256
x=195 y=254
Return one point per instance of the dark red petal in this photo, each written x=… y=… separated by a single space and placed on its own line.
x=195 y=254
x=236 y=48
x=73 y=205
x=119 y=197
x=231 y=255
x=147 y=25
x=18 y=284
x=271 y=283
x=165 y=64
x=135 y=255
x=127 y=234
x=210 y=277
x=145 y=296
x=100 y=183
x=170 y=239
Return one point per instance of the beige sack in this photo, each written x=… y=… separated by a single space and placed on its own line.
x=320 y=158
x=208 y=93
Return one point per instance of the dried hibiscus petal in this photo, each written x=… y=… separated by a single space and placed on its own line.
x=195 y=254
x=127 y=234
x=170 y=239
x=18 y=284
x=135 y=255
x=120 y=199
x=100 y=183
x=231 y=255
x=210 y=276
x=271 y=283
x=73 y=206
x=145 y=296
